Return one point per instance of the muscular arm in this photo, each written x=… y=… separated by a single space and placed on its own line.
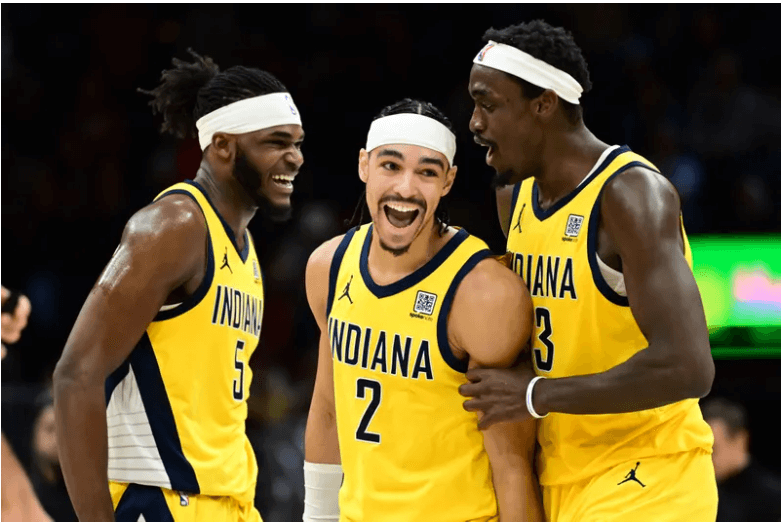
x=503 y=204
x=321 y=432
x=491 y=321
x=162 y=249
x=19 y=502
x=641 y=214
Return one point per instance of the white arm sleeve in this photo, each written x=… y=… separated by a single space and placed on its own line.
x=322 y=484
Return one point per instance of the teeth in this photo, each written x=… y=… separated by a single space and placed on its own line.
x=283 y=178
x=402 y=209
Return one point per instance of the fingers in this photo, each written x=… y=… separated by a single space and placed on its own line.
x=6 y=294
x=12 y=325
x=468 y=389
x=473 y=405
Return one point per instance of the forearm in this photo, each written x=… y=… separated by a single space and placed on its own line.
x=19 y=502
x=640 y=383
x=80 y=412
x=321 y=436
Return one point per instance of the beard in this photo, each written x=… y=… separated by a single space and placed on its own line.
x=250 y=181
x=396 y=252
x=502 y=178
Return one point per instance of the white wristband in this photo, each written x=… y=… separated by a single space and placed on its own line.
x=322 y=485
x=529 y=398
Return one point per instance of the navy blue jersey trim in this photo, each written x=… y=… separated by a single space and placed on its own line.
x=142 y=500
x=542 y=214
x=515 y=196
x=334 y=267
x=443 y=335
x=593 y=236
x=229 y=232
x=209 y=273
x=115 y=378
x=161 y=417
x=412 y=279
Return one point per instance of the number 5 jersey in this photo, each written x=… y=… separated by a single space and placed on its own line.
x=409 y=450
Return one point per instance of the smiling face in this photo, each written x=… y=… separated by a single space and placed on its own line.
x=504 y=122
x=404 y=185
x=266 y=164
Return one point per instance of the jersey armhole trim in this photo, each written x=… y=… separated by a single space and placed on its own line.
x=334 y=268
x=593 y=239
x=209 y=273
x=443 y=316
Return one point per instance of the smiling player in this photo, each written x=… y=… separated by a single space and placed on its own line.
x=406 y=305
x=158 y=357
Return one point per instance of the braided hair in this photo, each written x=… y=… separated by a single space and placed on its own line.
x=418 y=107
x=190 y=90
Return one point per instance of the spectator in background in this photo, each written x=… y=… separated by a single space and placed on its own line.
x=18 y=499
x=747 y=492
x=46 y=476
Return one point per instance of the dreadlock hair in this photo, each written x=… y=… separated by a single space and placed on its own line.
x=191 y=90
x=418 y=107
x=553 y=45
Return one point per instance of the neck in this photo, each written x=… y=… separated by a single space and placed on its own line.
x=228 y=197
x=567 y=158
x=386 y=268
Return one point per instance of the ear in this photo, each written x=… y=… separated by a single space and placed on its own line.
x=364 y=160
x=450 y=180
x=224 y=146
x=545 y=104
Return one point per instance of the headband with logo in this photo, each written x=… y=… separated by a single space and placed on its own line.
x=537 y=72
x=250 y=114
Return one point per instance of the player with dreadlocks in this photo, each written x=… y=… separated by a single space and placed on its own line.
x=158 y=357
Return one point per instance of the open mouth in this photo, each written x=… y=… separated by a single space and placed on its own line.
x=489 y=145
x=400 y=215
x=284 y=181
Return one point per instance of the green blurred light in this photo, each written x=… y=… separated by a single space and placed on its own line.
x=758 y=352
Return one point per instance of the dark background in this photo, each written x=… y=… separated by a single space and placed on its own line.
x=696 y=89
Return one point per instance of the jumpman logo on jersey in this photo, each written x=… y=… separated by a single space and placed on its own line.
x=345 y=290
x=226 y=260
x=632 y=475
x=517 y=226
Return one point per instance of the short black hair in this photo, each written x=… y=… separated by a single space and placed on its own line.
x=191 y=90
x=420 y=107
x=731 y=413
x=553 y=45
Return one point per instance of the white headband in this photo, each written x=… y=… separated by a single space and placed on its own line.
x=414 y=129
x=250 y=114
x=537 y=72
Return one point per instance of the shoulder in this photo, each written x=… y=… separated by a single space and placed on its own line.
x=489 y=283
x=172 y=218
x=320 y=260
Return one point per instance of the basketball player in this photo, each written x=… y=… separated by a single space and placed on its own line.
x=620 y=344
x=158 y=357
x=406 y=304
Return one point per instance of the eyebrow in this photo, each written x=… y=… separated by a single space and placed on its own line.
x=391 y=153
x=432 y=160
x=284 y=135
x=479 y=92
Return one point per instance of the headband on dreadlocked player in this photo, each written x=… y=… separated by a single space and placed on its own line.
x=538 y=72
x=414 y=129
x=250 y=114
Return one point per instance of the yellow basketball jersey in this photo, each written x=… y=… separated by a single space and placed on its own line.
x=582 y=326
x=176 y=408
x=409 y=450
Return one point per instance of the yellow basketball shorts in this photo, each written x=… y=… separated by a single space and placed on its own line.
x=133 y=501
x=675 y=487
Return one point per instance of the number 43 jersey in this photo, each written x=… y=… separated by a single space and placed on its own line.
x=582 y=325
x=176 y=408
x=408 y=449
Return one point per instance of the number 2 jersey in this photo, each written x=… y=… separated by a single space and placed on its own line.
x=582 y=325
x=176 y=408
x=409 y=450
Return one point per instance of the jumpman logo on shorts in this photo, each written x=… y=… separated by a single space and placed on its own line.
x=345 y=290
x=226 y=260
x=632 y=475
x=517 y=226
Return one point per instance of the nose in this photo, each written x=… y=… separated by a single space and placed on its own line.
x=477 y=123
x=405 y=184
x=294 y=157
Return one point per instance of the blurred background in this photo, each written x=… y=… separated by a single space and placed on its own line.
x=695 y=89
